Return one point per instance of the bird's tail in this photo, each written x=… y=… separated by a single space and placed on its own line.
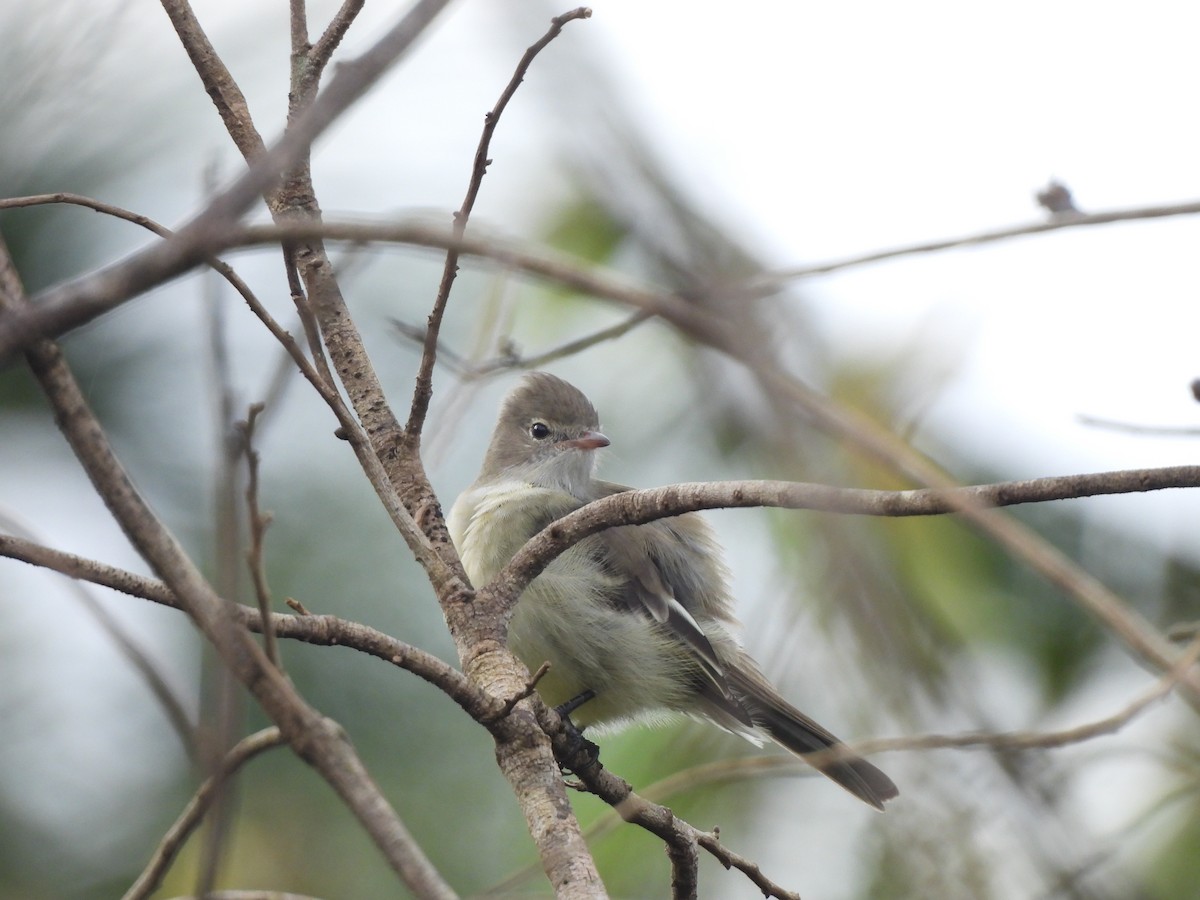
x=794 y=731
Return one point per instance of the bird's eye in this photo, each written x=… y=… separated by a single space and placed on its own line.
x=539 y=430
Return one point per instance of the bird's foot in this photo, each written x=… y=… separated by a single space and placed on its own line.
x=581 y=753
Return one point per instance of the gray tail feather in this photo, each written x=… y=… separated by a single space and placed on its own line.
x=796 y=732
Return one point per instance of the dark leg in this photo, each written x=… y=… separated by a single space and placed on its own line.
x=565 y=709
x=582 y=752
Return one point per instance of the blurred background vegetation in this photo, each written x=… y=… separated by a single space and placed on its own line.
x=875 y=627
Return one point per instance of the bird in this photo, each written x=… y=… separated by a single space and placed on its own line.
x=635 y=621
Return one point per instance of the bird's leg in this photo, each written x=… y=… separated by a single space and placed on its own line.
x=577 y=744
x=565 y=709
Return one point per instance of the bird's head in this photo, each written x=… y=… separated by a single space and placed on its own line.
x=546 y=434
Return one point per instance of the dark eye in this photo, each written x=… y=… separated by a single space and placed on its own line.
x=539 y=430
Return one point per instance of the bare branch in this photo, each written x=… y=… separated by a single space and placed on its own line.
x=172 y=842
x=541 y=262
x=298 y=28
x=1134 y=428
x=680 y=838
x=322 y=384
x=636 y=507
x=772 y=280
x=509 y=359
x=322 y=630
x=219 y=83
x=730 y=860
x=316 y=739
x=423 y=390
x=874 y=441
x=125 y=642
x=258 y=528
x=321 y=381
x=322 y=50
x=99 y=206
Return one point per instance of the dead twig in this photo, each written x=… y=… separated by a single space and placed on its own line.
x=423 y=390
x=193 y=814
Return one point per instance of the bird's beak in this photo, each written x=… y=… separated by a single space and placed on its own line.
x=589 y=440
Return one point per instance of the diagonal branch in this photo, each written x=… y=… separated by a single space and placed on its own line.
x=680 y=837
x=323 y=630
x=126 y=643
x=172 y=842
x=316 y=739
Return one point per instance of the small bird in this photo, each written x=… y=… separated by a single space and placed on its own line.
x=635 y=621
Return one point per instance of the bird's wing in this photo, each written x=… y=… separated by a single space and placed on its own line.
x=661 y=579
x=647 y=593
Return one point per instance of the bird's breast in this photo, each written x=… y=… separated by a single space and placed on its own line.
x=490 y=524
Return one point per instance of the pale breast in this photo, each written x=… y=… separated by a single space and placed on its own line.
x=489 y=524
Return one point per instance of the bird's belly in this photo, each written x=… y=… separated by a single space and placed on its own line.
x=567 y=617
x=628 y=661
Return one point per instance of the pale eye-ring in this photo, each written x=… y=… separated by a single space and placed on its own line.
x=539 y=431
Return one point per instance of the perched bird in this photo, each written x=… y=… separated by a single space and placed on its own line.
x=635 y=620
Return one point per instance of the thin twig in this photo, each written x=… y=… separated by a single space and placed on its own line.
x=125 y=642
x=423 y=390
x=511 y=360
x=193 y=814
x=749 y=868
x=537 y=261
x=1134 y=428
x=660 y=821
x=771 y=280
x=259 y=522
x=525 y=692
